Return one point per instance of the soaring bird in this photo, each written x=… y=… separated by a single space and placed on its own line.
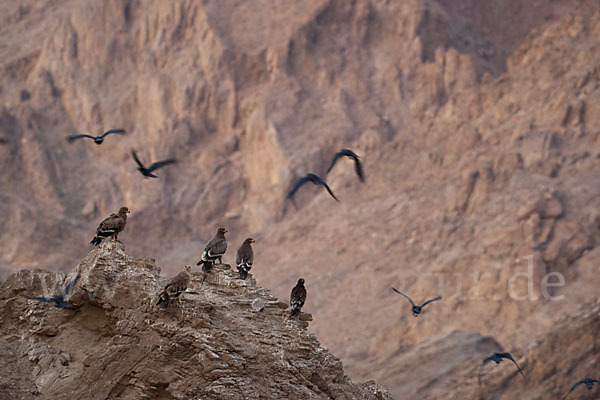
x=589 y=382
x=497 y=358
x=96 y=139
x=350 y=154
x=245 y=258
x=3 y=141
x=298 y=297
x=214 y=250
x=415 y=308
x=314 y=179
x=111 y=226
x=59 y=299
x=147 y=172
x=175 y=287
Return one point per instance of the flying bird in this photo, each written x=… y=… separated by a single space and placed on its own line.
x=147 y=172
x=352 y=155
x=96 y=139
x=59 y=299
x=314 y=179
x=415 y=308
x=3 y=141
x=214 y=250
x=497 y=358
x=111 y=226
x=245 y=258
x=298 y=297
x=589 y=382
x=175 y=287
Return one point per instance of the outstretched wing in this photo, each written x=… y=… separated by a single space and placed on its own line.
x=44 y=299
x=509 y=357
x=298 y=184
x=573 y=388
x=75 y=137
x=137 y=160
x=160 y=164
x=400 y=293
x=431 y=301
x=337 y=156
x=121 y=131
x=70 y=286
x=359 y=170
x=322 y=182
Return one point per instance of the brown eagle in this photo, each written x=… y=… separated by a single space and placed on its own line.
x=298 y=297
x=111 y=226
x=214 y=250
x=175 y=287
x=245 y=258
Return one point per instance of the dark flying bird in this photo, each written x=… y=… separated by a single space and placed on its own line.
x=214 y=250
x=314 y=179
x=147 y=172
x=3 y=141
x=298 y=297
x=589 y=382
x=97 y=139
x=111 y=226
x=175 y=287
x=497 y=358
x=59 y=299
x=352 y=155
x=245 y=258
x=415 y=308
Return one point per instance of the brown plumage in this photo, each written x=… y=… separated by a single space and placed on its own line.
x=245 y=258
x=111 y=226
x=298 y=297
x=175 y=287
x=214 y=250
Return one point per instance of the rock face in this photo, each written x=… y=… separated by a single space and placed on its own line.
x=115 y=343
x=477 y=122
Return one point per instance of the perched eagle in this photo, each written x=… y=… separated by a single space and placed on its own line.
x=214 y=250
x=111 y=226
x=175 y=287
x=245 y=258
x=298 y=297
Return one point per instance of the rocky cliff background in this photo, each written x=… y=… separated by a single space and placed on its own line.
x=477 y=122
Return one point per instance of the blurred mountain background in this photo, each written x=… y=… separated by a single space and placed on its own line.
x=478 y=123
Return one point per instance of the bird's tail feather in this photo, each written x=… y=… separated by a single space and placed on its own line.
x=96 y=241
x=295 y=311
x=163 y=301
x=207 y=266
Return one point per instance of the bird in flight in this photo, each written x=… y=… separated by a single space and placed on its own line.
x=314 y=179
x=415 y=308
x=147 y=172
x=497 y=358
x=589 y=382
x=59 y=299
x=352 y=155
x=96 y=139
x=3 y=141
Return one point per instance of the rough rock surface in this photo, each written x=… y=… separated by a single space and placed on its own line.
x=115 y=343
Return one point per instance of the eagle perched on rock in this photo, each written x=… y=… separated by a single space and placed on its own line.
x=245 y=258
x=111 y=226
x=214 y=250
x=175 y=287
x=298 y=297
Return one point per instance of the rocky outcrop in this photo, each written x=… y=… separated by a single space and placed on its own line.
x=227 y=339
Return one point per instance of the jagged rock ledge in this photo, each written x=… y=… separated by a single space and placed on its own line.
x=229 y=339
